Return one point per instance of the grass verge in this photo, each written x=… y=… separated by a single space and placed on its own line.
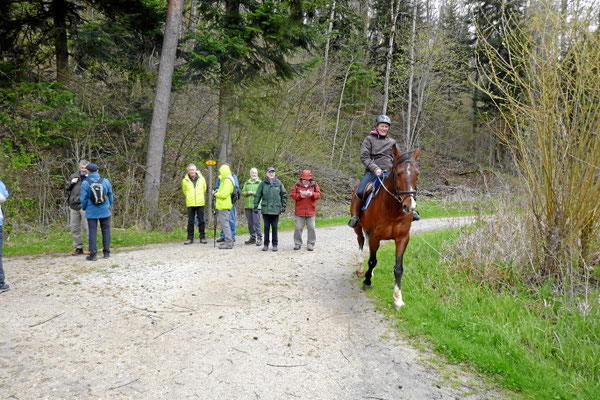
x=59 y=240
x=541 y=349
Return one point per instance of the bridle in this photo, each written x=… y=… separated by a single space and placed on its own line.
x=399 y=193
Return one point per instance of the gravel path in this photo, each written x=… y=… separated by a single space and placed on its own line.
x=175 y=322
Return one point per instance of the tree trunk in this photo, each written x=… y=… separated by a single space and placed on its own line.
x=160 y=112
x=59 y=15
x=339 y=110
x=325 y=64
x=225 y=110
x=411 y=76
x=226 y=89
x=394 y=12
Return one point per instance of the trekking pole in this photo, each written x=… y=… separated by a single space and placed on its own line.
x=214 y=222
x=211 y=199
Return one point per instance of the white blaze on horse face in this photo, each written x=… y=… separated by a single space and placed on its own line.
x=397 y=297
x=413 y=202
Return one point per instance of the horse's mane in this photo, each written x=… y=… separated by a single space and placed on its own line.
x=404 y=157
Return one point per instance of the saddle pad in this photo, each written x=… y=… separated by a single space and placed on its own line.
x=376 y=186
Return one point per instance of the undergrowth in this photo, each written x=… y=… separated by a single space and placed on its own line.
x=536 y=342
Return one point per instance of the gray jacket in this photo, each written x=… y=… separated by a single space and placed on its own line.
x=376 y=152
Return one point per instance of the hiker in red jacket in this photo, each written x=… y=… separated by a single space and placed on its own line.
x=306 y=192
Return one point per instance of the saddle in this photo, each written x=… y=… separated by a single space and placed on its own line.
x=371 y=191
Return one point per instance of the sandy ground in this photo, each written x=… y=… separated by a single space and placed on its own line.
x=177 y=322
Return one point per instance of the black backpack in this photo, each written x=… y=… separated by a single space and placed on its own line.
x=235 y=195
x=97 y=195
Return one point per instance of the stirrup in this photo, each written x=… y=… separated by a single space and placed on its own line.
x=353 y=222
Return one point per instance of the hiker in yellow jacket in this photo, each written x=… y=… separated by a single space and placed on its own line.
x=194 y=190
x=223 y=204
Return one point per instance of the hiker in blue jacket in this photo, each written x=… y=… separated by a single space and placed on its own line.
x=96 y=200
x=3 y=196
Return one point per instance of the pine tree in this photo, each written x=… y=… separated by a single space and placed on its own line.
x=243 y=38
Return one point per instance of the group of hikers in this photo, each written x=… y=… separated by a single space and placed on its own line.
x=266 y=198
x=90 y=199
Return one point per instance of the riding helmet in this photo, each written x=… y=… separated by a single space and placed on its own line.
x=383 y=119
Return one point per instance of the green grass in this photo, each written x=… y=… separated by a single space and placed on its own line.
x=543 y=350
x=59 y=240
x=438 y=208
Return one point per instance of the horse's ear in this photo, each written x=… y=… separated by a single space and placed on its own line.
x=416 y=153
x=396 y=152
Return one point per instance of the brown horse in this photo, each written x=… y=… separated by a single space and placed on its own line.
x=389 y=216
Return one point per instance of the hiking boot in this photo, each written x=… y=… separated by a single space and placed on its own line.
x=190 y=241
x=91 y=257
x=226 y=246
x=220 y=240
x=310 y=247
x=274 y=248
x=106 y=254
x=416 y=216
x=4 y=287
x=297 y=247
x=265 y=247
x=355 y=212
x=203 y=241
x=77 y=252
x=252 y=240
x=259 y=241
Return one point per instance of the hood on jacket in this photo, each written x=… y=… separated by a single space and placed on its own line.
x=380 y=136
x=94 y=177
x=224 y=171
x=306 y=175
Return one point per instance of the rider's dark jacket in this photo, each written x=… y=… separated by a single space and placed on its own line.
x=376 y=151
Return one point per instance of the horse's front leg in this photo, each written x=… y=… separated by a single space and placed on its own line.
x=373 y=247
x=399 y=270
x=360 y=270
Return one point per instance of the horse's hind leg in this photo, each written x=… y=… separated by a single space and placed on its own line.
x=360 y=237
x=372 y=263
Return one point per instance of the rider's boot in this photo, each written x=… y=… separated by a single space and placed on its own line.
x=416 y=216
x=356 y=206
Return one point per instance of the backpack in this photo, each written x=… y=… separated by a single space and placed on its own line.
x=235 y=195
x=97 y=195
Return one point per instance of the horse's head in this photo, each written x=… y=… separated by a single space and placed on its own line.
x=405 y=172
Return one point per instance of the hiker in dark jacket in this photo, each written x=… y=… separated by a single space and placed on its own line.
x=95 y=212
x=76 y=214
x=376 y=153
x=274 y=199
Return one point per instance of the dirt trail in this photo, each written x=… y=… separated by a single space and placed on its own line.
x=175 y=322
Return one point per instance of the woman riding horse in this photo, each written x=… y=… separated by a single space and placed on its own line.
x=376 y=153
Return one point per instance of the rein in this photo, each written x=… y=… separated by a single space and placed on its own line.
x=399 y=193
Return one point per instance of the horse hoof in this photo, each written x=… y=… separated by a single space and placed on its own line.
x=366 y=287
x=397 y=306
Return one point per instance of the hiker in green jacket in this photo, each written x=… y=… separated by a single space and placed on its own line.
x=249 y=190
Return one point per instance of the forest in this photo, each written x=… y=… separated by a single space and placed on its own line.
x=295 y=84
